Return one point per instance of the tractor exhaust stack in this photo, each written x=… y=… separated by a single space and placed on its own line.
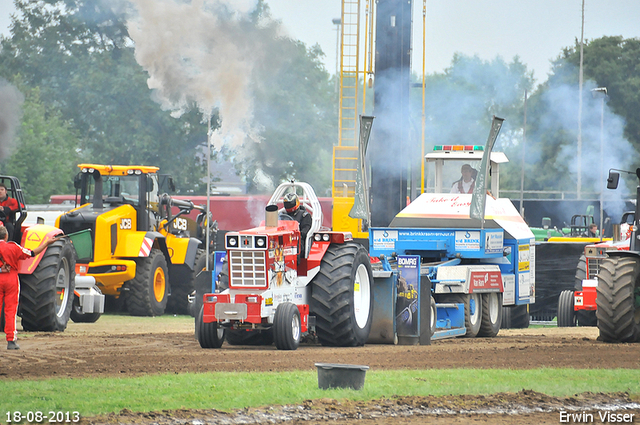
x=271 y=216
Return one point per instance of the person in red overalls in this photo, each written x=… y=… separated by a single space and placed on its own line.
x=10 y=254
x=8 y=207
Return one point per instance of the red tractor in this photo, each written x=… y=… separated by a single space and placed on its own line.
x=279 y=293
x=611 y=284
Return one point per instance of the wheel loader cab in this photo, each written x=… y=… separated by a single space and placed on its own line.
x=109 y=188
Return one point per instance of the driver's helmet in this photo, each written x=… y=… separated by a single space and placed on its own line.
x=291 y=203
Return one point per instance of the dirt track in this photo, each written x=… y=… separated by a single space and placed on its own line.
x=167 y=345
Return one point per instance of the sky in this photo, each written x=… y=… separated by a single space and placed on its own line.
x=536 y=31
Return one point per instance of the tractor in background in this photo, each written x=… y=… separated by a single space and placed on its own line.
x=138 y=252
x=47 y=281
x=281 y=293
x=610 y=287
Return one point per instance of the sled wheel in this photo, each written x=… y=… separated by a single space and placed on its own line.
x=491 y=314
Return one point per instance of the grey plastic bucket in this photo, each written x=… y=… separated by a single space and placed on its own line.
x=331 y=375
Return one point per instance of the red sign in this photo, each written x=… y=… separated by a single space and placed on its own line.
x=485 y=280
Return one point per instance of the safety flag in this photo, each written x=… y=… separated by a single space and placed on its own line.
x=479 y=197
x=360 y=207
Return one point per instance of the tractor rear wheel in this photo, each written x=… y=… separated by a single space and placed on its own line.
x=183 y=280
x=147 y=294
x=491 y=314
x=79 y=317
x=618 y=299
x=210 y=335
x=287 y=327
x=566 y=313
x=341 y=296
x=46 y=295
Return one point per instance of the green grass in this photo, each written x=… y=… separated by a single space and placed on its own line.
x=226 y=391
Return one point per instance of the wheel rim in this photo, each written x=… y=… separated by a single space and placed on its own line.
x=159 y=284
x=220 y=333
x=295 y=327
x=361 y=296
x=494 y=307
x=434 y=313
x=62 y=287
x=474 y=309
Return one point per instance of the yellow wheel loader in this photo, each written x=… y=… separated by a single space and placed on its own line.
x=139 y=251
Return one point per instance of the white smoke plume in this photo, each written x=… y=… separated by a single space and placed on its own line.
x=11 y=101
x=202 y=52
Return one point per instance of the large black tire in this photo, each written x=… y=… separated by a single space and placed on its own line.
x=79 y=317
x=183 y=280
x=618 y=294
x=566 y=314
x=249 y=337
x=341 y=296
x=515 y=317
x=210 y=335
x=472 y=319
x=46 y=295
x=491 y=314
x=147 y=291
x=583 y=317
x=287 y=327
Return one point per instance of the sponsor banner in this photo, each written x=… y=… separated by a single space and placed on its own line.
x=485 y=280
x=509 y=295
x=524 y=259
x=493 y=242
x=467 y=240
x=408 y=287
x=385 y=239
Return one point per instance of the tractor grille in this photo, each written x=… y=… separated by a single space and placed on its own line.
x=247 y=268
x=593 y=267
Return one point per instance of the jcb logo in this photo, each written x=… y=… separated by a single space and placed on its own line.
x=125 y=224
x=180 y=224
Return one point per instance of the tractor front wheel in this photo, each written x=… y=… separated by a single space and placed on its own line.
x=618 y=299
x=79 y=317
x=46 y=295
x=341 y=296
x=287 y=327
x=147 y=291
x=566 y=314
x=210 y=335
